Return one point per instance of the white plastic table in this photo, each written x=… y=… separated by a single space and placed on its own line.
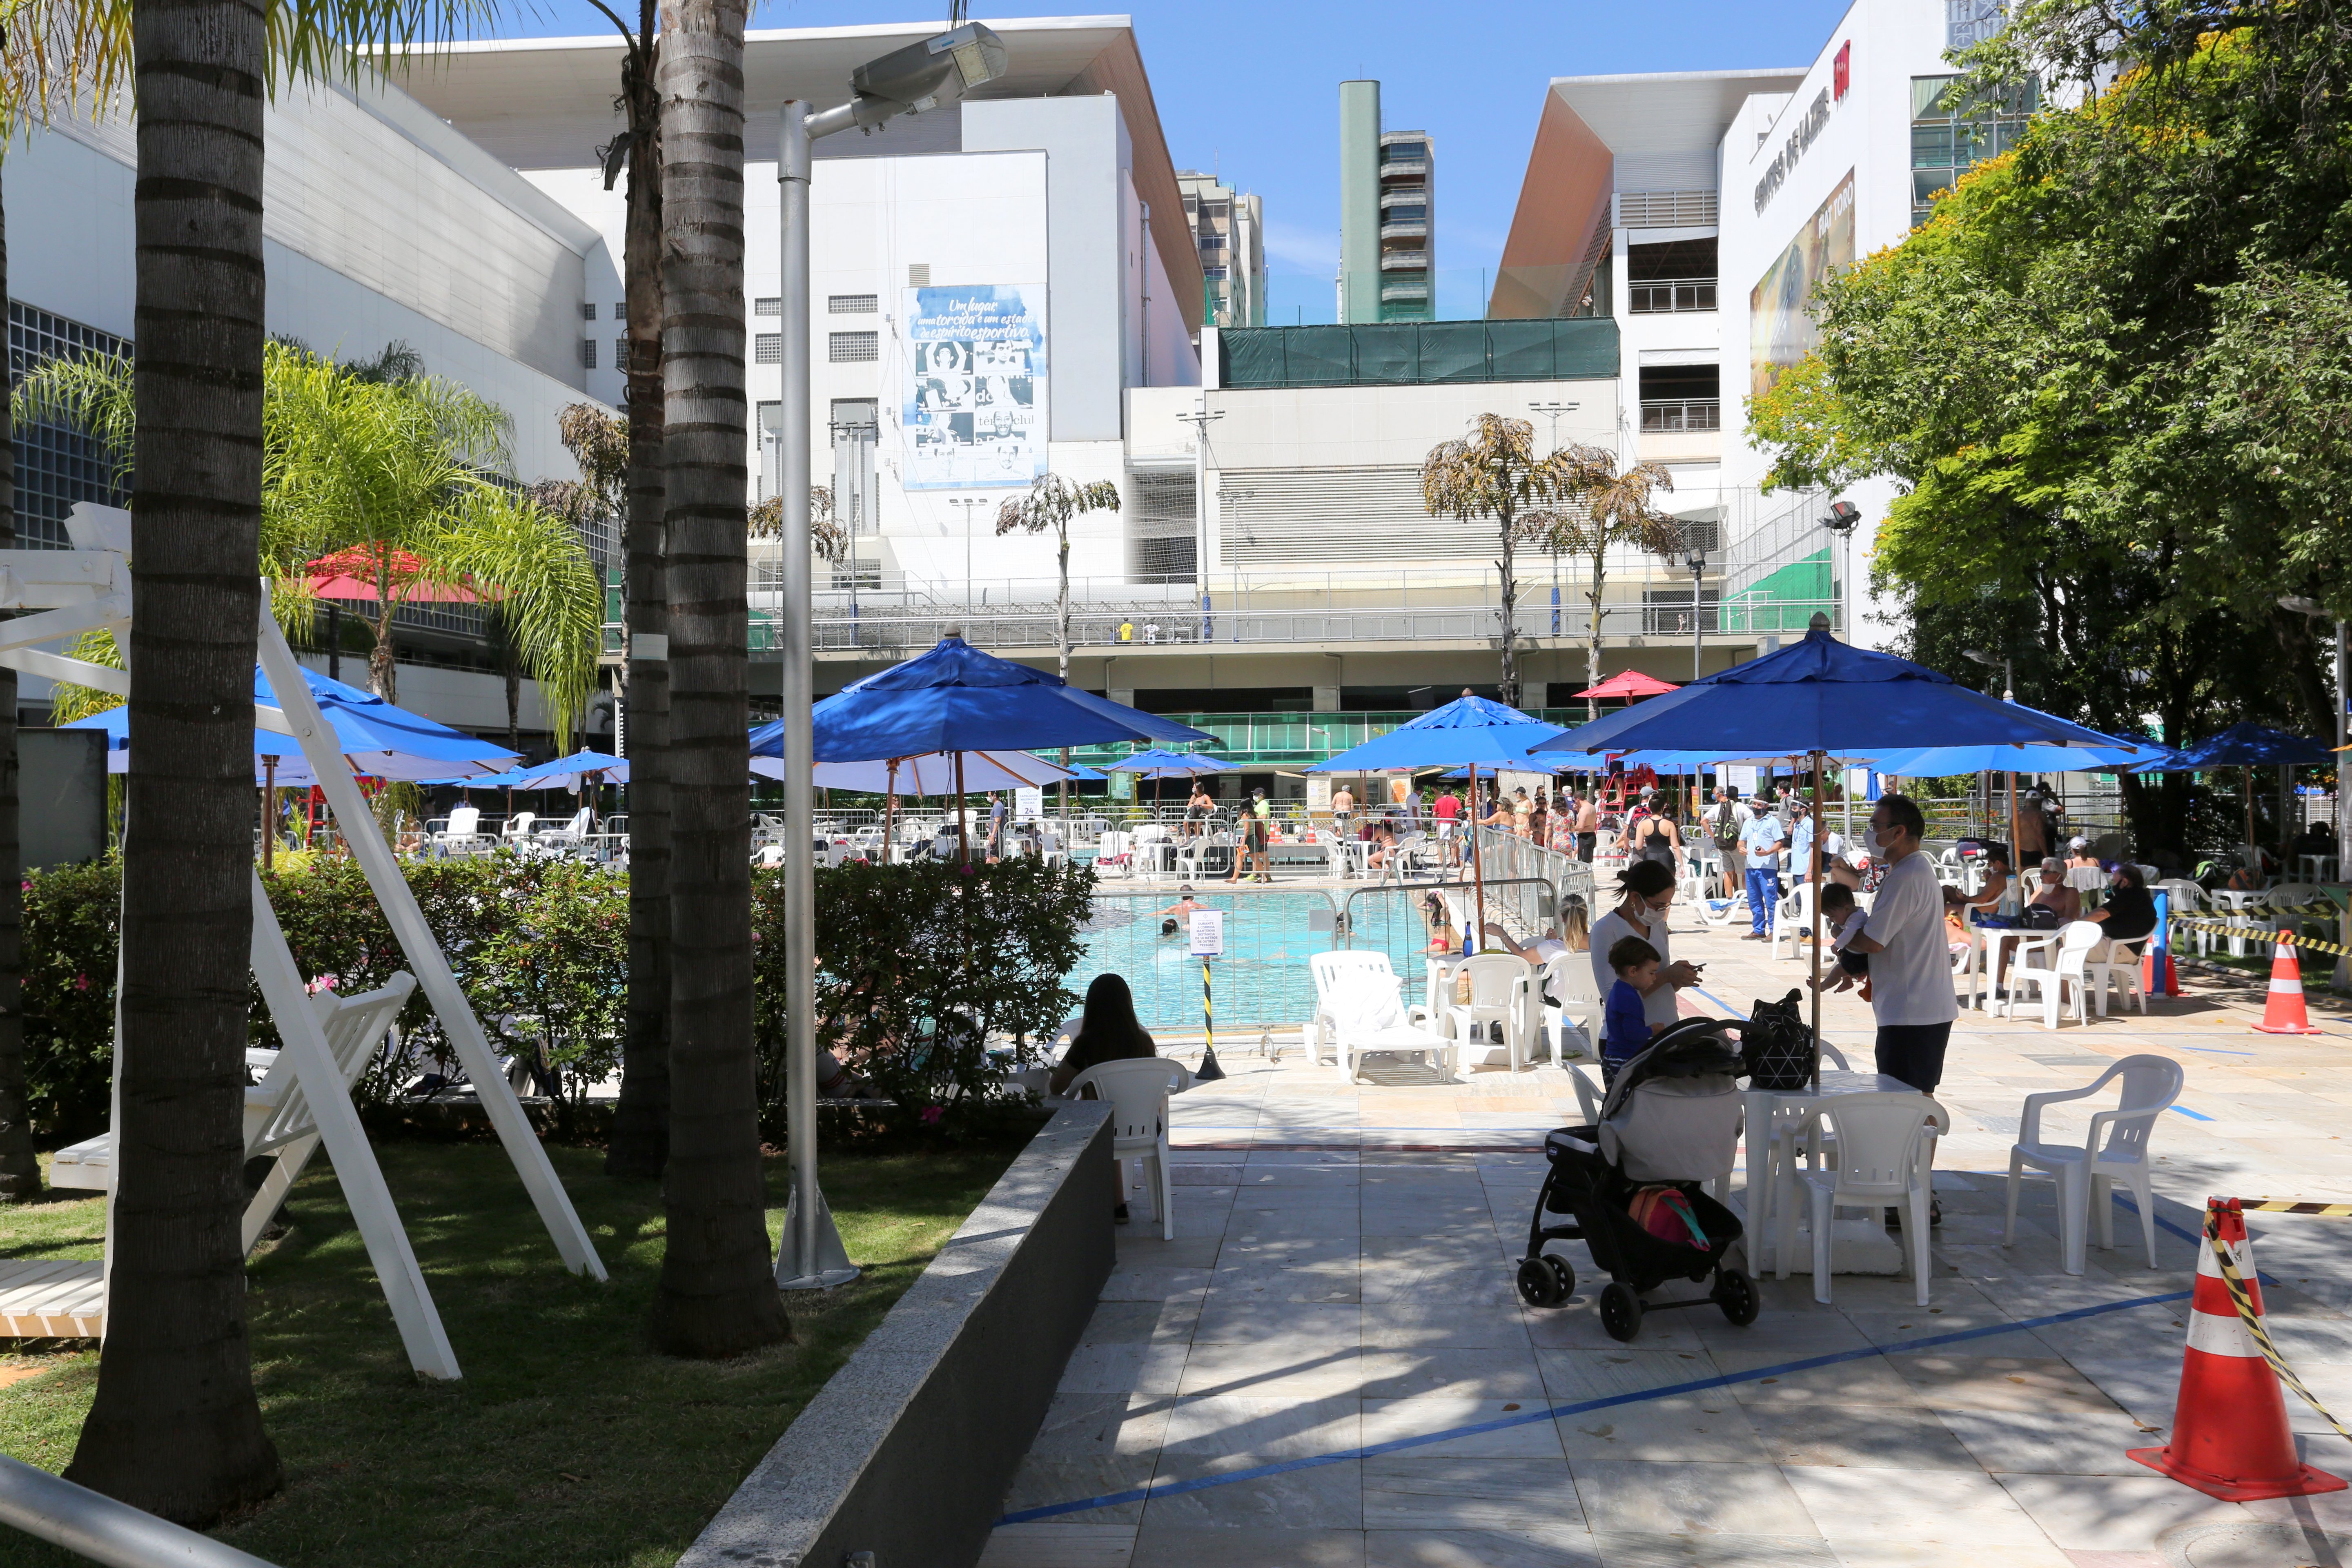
x=1763 y=1109
x=1988 y=940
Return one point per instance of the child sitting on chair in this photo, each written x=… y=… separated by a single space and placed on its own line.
x=1625 y=1027
x=1842 y=915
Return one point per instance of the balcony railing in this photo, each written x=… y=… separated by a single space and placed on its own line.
x=1683 y=413
x=1404 y=260
x=1663 y=295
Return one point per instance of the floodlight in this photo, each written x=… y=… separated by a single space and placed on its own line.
x=945 y=67
x=1844 y=515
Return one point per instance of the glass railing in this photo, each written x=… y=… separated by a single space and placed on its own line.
x=1661 y=296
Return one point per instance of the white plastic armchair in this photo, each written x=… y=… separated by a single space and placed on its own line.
x=1137 y=1090
x=2184 y=897
x=2068 y=970
x=1502 y=988
x=1792 y=919
x=1885 y=1152
x=1566 y=975
x=518 y=830
x=2087 y=1173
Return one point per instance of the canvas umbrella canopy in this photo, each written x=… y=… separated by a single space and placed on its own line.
x=1162 y=763
x=956 y=698
x=1629 y=684
x=1823 y=697
x=2249 y=746
x=1467 y=732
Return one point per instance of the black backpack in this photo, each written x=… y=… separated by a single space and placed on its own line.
x=1778 y=1048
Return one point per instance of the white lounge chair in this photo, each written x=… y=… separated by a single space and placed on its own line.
x=1357 y=1012
x=1138 y=1091
x=462 y=835
x=2086 y=1172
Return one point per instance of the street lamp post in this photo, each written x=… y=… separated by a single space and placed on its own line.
x=904 y=82
x=1840 y=522
x=970 y=505
x=1697 y=562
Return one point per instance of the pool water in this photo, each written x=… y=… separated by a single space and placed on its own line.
x=1262 y=979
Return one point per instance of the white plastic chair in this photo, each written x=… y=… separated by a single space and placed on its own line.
x=2086 y=1174
x=1793 y=918
x=1502 y=986
x=2069 y=970
x=1357 y=1013
x=1564 y=974
x=1885 y=1154
x=1138 y=1091
x=518 y=829
x=2184 y=897
x=2118 y=969
x=463 y=833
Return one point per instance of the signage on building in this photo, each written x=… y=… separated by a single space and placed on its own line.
x=1782 y=331
x=1842 y=73
x=1815 y=120
x=975 y=403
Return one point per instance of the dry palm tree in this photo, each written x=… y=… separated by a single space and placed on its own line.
x=1494 y=473
x=1054 y=502
x=1611 y=508
x=717 y=1295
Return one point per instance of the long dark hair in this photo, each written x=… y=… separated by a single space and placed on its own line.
x=1110 y=1029
x=1647 y=878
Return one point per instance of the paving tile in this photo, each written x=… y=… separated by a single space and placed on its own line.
x=2331 y=1511
x=1043 y=1482
x=1578 y=1324
x=1960 y=1508
x=1152 y=1369
x=1498 y=1373
x=1049 y=1545
x=1097 y=1426
x=1273 y=1370
x=1435 y=1325
x=1619 y=1549
x=1976 y=1554
x=1864 y=1380
x=1624 y=1497
x=1238 y=1431
x=1477 y=1549
x=1122 y=1323
x=1146 y=1250
x=2114 y=1513
x=1875 y=1436
x=1243 y=1320
x=1711 y=1427
x=1196 y=1546
x=1274 y=1283
x=1312 y=1497
x=2143 y=1386
x=2029 y=1442
x=1154 y=1284
x=2038 y=1382
x=1490 y=1284
x=1421 y=1490
x=1572 y=1376
x=1391 y=1420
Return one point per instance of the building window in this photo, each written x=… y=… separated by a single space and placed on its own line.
x=621 y=353
x=588 y=311
x=1946 y=143
x=1678 y=274
x=588 y=353
x=848 y=348
x=57 y=465
x=768 y=305
x=768 y=348
x=1681 y=397
x=620 y=309
x=852 y=304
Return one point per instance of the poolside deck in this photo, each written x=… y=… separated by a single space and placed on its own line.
x=1341 y=1279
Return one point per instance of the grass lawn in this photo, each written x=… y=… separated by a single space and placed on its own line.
x=566 y=1442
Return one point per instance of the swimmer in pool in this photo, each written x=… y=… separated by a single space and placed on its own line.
x=1178 y=915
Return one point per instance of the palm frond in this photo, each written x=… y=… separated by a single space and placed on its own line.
x=532 y=563
x=826 y=537
x=59 y=55
x=67 y=701
x=90 y=392
x=1054 y=502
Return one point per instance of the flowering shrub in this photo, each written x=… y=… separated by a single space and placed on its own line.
x=72 y=931
x=918 y=965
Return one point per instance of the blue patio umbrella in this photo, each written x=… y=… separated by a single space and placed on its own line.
x=2128 y=755
x=957 y=698
x=2250 y=746
x=380 y=740
x=1468 y=732
x=1162 y=763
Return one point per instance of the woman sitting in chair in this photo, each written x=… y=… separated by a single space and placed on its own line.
x=1108 y=1031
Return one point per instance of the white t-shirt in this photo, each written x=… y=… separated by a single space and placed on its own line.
x=1658 y=1006
x=1911 y=976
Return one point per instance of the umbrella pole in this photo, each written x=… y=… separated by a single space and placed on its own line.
x=963 y=843
x=1478 y=867
x=1814 y=868
x=2016 y=851
x=890 y=808
x=2252 y=848
x=268 y=809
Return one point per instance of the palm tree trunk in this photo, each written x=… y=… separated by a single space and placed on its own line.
x=20 y=1172
x=175 y=1428
x=1510 y=687
x=1593 y=631
x=384 y=670
x=717 y=1295
x=640 y=1140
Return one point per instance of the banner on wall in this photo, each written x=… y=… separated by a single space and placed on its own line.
x=975 y=403
x=1780 y=330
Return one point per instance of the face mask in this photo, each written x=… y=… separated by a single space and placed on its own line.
x=1887 y=839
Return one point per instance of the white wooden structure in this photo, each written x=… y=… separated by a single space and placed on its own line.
x=304 y=1099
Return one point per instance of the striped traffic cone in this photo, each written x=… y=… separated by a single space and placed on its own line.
x=2230 y=1437
x=2283 y=1012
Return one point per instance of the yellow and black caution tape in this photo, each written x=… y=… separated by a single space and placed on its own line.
x=2289 y=1206
x=2243 y=1301
x=2265 y=933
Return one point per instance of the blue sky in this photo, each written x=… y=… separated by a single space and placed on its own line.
x=1253 y=90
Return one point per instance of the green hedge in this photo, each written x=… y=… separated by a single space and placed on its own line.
x=906 y=954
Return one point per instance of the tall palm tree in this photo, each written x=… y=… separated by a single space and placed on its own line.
x=1494 y=473
x=717 y=1294
x=392 y=478
x=1054 y=502
x=1611 y=508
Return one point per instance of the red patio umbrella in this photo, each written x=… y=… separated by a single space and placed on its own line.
x=352 y=573
x=1630 y=684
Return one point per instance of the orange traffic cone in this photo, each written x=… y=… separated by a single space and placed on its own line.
x=2230 y=1437
x=2284 y=1012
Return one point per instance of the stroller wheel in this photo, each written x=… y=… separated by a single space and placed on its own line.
x=1735 y=1292
x=1546 y=1281
x=1621 y=1312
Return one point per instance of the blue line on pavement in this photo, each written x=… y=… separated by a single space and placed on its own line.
x=2192 y=1115
x=1720 y=1003
x=1697 y=1386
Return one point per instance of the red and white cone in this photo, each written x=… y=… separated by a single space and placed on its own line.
x=2283 y=1012
x=2230 y=1437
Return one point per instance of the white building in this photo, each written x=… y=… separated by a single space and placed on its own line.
x=382 y=225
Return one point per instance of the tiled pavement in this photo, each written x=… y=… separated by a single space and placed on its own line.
x=1341 y=1279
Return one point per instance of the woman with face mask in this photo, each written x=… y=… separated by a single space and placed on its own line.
x=1646 y=896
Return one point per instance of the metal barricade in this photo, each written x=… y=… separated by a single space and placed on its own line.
x=1261 y=982
x=1396 y=918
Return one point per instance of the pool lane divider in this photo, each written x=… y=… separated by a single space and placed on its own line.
x=1578 y=1407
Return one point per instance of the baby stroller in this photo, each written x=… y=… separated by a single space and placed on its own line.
x=1671 y=1122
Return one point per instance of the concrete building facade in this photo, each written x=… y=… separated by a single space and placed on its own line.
x=1388 y=213
x=1228 y=230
